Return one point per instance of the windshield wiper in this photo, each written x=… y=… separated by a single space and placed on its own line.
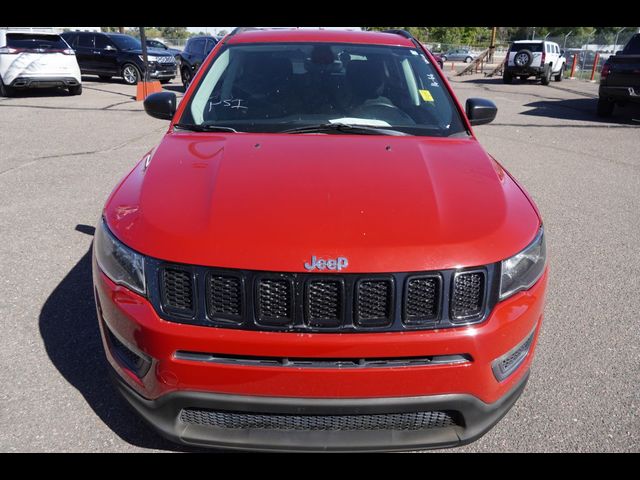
x=345 y=128
x=204 y=128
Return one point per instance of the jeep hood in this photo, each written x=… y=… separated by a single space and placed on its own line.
x=270 y=202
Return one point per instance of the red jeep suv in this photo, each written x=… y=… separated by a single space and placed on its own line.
x=319 y=255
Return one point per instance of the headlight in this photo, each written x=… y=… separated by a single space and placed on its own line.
x=521 y=271
x=150 y=58
x=118 y=262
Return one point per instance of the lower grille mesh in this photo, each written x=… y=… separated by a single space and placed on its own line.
x=387 y=421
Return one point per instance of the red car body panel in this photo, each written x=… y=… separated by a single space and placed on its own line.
x=388 y=204
x=136 y=321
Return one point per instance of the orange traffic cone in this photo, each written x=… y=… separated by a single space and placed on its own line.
x=147 y=88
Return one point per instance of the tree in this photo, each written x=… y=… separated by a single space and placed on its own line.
x=174 y=32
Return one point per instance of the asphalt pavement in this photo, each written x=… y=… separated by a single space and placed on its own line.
x=60 y=156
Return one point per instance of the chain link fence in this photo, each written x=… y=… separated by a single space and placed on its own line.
x=588 y=52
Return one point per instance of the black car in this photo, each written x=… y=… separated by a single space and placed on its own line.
x=620 y=78
x=194 y=53
x=158 y=45
x=116 y=55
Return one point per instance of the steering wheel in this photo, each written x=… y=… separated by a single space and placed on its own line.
x=381 y=110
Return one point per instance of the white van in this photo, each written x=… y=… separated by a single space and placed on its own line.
x=31 y=58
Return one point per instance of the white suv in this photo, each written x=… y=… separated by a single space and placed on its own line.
x=32 y=58
x=539 y=58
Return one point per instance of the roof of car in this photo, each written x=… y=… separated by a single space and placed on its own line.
x=533 y=41
x=318 y=35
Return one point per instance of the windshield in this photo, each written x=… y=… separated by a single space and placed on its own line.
x=36 y=41
x=633 y=47
x=277 y=87
x=532 y=47
x=125 y=42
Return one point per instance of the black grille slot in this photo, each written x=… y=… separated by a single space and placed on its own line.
x=275 y=301
x=225 y=297
x=467 y=299
x=386 y=421
x=177 y=291
x=324 y=303
x=374 y=303
x=422 y=300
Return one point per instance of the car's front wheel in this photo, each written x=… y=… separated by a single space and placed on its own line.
x=75 y=90
x=186 y=76
x=5 y=91
x=130 y=74
x=558 y=77
x=468 y=60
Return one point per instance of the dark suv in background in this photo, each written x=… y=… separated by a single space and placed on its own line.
x=194 y=53
x=116 y=55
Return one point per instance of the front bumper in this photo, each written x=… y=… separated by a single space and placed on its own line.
x=170 y=383
x=164 y=415
x=44 y=82
x=162 y=71
x=529 y=71
x=620 y=93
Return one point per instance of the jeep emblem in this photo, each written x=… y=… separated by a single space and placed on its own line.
x=330 y=264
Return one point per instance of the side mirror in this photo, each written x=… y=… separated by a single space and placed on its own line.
x=161 y=105
x=480 y=111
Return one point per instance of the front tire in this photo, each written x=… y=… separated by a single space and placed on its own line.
x=605 y=107
x=468 y=60
x=131 y=74
x=558 y=77
x=185 y=74
x=75 y=90
x=5 y=91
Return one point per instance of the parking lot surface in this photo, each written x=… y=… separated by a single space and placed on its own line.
x=60 y=157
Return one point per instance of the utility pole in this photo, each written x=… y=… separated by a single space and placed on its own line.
x=145 y=59
x=533 y=34
x=564 y=45
x=492 y=44
x=615 y=46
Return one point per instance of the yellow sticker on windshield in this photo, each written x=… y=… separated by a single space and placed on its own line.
x=426 y=95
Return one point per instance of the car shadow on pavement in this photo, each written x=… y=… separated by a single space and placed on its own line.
x=584 y=110
x=69 y=329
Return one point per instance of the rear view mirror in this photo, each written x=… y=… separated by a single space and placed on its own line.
x=480 y=111
x=161 y=105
